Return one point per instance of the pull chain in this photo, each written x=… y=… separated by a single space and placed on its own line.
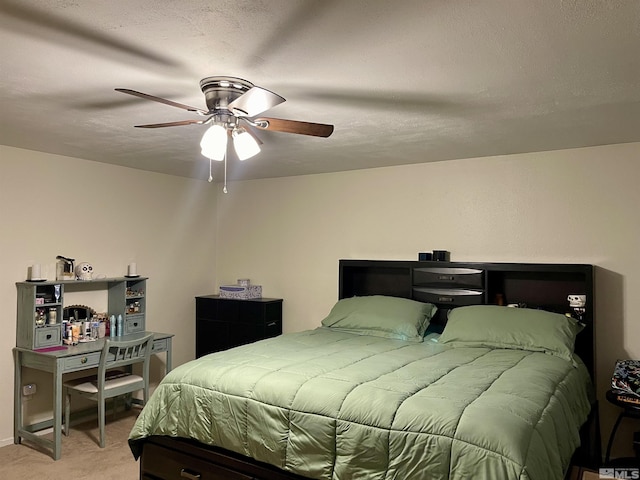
x=224 y=189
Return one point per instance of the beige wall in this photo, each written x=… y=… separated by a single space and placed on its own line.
x=571 y=206
x=287 y=234
x=109 y=216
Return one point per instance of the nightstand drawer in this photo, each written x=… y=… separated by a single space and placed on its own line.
x=455 y=297
x=273 y=329
x=48 y=336
x=259 y=313
x=81 y=362
x=458 y=277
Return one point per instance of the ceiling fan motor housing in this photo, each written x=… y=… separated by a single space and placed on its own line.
x=219 y=92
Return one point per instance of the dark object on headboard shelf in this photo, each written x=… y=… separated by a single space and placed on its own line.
x=454 y=284
x=425 y=256
x=441 y=256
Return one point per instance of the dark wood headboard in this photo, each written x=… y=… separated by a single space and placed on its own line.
x=451 y=284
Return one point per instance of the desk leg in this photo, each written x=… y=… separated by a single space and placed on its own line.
x=168 y=367
x=57 y=413
x=17 y=397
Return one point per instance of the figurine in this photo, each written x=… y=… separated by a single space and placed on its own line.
x=578 y=304
x=84 y=271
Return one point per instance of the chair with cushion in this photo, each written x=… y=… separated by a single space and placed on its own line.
x=110 y=383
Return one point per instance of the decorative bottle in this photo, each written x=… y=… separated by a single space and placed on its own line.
x=120 y=326
x=112 y=326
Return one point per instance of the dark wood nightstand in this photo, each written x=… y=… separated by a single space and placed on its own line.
x=223 y=323
x=629 y=410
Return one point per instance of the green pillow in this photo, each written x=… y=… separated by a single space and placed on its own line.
x=515 y=328
x=381 y=316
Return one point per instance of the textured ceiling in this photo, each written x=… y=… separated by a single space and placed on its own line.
x=402 y=81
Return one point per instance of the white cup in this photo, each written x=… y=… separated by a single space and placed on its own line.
x=35 y=271
x=132 y=269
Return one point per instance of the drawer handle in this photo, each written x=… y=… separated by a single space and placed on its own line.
x=272 y=324
x=187 y=474
x=84 y=360
x=445 y=299
x=446 y=277
x=49 y=336
x=135 y=324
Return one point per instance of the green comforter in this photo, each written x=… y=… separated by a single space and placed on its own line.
x=332 y=405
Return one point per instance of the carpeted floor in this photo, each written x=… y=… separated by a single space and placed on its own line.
x=82 y=458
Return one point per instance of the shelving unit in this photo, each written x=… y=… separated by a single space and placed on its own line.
x=124 y=296
x=129 y=298
x=35 y=300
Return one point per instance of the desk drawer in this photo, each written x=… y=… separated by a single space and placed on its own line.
x=453 y=277
x=48 y=336
x=81 y=362
x=455 y=297
x=160 y=345
x=133 y=324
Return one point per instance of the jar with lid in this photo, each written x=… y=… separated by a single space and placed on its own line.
x=53 y=316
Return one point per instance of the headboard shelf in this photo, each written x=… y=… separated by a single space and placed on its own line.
x=536 y=285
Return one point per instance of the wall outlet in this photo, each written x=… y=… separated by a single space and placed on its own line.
x=28 y=389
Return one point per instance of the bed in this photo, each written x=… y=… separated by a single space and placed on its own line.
x=413 y=374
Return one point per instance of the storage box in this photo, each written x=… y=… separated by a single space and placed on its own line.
x=242 y=292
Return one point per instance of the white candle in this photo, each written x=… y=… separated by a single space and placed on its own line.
x=132 y=269
x=35 y=271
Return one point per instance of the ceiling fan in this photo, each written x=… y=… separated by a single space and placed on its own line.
x=232 y=106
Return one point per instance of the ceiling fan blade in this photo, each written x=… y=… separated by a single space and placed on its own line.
x=254 y=101
x=162 y=100
x=293 y=126
x=172 y=124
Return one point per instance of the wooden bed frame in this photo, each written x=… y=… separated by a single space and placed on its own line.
x=448 y=284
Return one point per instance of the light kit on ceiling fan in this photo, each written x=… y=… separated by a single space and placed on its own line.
x=231 y=100
x=245 y=145
x=214 y=142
